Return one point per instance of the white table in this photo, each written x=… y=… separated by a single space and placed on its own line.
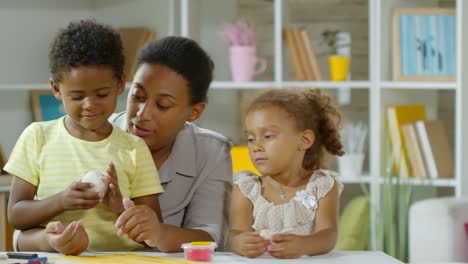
x=334 y=257
x=5 y=182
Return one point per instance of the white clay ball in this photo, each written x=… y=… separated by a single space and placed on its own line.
x=98 y=180
x=266 y=233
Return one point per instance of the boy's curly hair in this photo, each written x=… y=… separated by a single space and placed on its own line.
x=85 y=43
x=311 y=110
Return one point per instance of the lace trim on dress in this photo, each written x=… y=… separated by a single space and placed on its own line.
x=295 y=216
x=249 y=184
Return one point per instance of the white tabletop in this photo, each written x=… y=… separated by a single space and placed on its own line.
x=334 y=257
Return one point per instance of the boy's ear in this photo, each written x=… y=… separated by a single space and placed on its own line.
x=197 y=110
x=307 y=139
x=55 y=89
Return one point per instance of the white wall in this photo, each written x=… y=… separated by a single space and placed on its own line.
x=15 y=115
x=27 y=26
x=134 y=13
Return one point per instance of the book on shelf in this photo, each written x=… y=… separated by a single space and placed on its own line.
x=301 y=55
x=311 y=57
x=133 y=39
x=435 y=148
x=413 y=149
x=293 y=52
x=301 y=49
x=398 y=115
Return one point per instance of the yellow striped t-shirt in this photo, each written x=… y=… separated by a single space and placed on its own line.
x=48 y=157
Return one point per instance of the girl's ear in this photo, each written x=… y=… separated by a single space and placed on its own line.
x=55 y=89
x=307 y=139
x=197 y=110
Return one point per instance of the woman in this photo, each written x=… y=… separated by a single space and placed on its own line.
x=169 y=91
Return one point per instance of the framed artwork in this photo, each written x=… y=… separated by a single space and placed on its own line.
x=424 y=44
x=45 y=106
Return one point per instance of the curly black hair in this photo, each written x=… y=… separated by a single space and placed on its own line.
x=85 y=43
x=185 y=57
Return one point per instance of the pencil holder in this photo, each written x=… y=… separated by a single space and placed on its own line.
x=338 y=67
x=350 y=165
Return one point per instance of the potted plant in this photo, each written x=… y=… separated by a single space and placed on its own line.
x=338 y=43
x=393 y=214
x=240 y=38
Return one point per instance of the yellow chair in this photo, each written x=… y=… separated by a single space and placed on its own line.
x=241 y=160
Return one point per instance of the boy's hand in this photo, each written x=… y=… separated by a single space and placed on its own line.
x=72 y=240
x=286 y=246
x=113 y=197
x=140 y=223
x=75 y=197
x=251 y=244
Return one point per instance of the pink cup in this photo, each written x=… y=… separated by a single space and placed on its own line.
x=244 y=63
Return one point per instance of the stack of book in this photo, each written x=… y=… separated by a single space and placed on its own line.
x=420 y=147
x=301 y=55
x=133 y=39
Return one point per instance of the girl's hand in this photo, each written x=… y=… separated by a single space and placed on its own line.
x=113 y=197
x=251 y=244
x=72 y=240
x=75 y=197
x=140 y=223
x=286 y=246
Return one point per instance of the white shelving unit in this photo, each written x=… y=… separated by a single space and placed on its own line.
x=419 y=85
x=382 y=91
x=295 y=84
x=424 y=182
x=24 y=63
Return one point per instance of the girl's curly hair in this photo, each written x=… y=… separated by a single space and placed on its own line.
x=311 y=110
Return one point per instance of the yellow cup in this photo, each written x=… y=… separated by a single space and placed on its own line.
x=338 y=67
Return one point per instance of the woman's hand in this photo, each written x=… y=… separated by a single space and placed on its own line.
x=72 y=240
x=113 y=197
x=75 y=197
x=140 y=223
x=286 y=246
x=250 y=244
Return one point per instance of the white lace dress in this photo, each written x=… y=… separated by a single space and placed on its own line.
x=294 y=217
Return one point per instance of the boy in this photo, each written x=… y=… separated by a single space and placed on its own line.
x=86 y=63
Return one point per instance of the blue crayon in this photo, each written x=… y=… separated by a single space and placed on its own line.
x=38 y=260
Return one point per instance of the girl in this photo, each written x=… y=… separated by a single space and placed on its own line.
x=289 y=133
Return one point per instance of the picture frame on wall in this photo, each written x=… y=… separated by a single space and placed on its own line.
x=424 y=44
x=45 y=106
